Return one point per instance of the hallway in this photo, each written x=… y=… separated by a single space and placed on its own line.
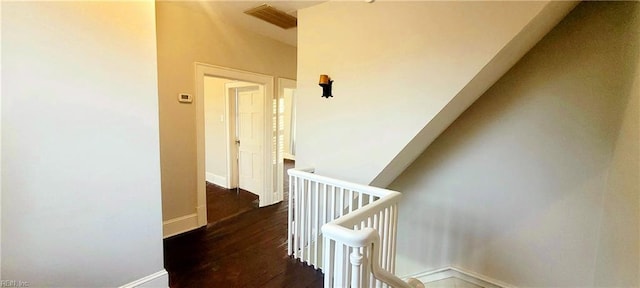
x=248 y=250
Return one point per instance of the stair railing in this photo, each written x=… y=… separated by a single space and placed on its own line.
x=348 y=230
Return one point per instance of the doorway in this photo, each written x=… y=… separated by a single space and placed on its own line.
x=286 y=128
x=263 y=166
x=245 y=149
x=234 y=117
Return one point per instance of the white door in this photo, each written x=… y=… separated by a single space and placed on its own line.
x=250 y=113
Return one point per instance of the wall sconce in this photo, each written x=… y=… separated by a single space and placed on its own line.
x=325 y=83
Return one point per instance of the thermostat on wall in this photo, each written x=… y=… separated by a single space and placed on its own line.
x=185 y=98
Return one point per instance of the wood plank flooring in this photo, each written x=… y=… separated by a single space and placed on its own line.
x=224 y=203
x=248 y=250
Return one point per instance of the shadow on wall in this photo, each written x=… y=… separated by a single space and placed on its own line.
x=513 y=189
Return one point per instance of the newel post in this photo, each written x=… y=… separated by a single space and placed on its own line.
x=356 y=272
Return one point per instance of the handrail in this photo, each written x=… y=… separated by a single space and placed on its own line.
x=353 y=218
x=363 y=237
x=379 y=192
x=308 y=170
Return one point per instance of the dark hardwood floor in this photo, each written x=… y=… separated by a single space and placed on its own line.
x=224 y=203
x=247 y=250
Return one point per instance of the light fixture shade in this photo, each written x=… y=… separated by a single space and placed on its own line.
x=325 y=82
x=324 y=79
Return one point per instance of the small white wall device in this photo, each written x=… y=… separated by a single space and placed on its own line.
x=185 y=98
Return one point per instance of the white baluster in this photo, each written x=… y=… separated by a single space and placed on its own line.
x=340 y=274
x=333 y=203
x=341 y=208
x=387 y=237
x=347 y=265
x=303 y=220
x=309 y=216
x=384 y=231
x=290 y=219
x=350 y=200
x=324 y=205
x=368 y=276
x=298 y=212
x=394 y=236
x=377 y=224
x=329 y=262
x=316 y=226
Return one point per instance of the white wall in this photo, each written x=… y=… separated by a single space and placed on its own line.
x=618 y=251
x=80 y=144
x=215 y=133
x=516 y=188
x=396 y=67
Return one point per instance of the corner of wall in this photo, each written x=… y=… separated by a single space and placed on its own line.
x=217 y=179
x=616 y=260
x=180 y=225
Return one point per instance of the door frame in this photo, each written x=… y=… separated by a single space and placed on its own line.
x=282 y=84
x=202 y=70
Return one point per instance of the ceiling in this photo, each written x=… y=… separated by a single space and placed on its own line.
x=233 y=12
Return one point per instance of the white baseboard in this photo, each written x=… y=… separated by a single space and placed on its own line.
x=217 y=179
x=472 y=277
x=156 y=280
x=180 y=225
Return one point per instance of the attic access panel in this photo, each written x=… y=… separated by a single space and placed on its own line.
x=273 y=16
